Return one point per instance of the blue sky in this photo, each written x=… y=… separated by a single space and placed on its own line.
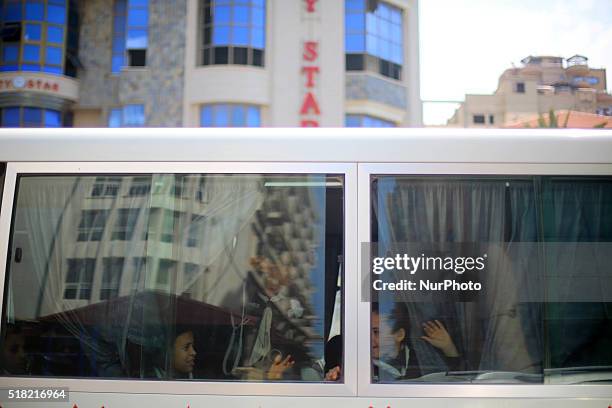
x=466 y=45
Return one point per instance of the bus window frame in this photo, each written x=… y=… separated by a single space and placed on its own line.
x=346 y=388
x=455 y=390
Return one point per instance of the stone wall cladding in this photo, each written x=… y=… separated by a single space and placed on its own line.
x=363 y=86
x=95 y=40
x=159 y=85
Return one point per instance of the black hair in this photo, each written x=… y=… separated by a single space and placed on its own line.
x=333 y=353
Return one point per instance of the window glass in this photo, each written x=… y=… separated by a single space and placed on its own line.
x=52 y=69
x=480 y=119
x=54 y=55
x=232 y=115
x=31 y=53
x=10 y=53
x=366 y=121
x=138 y=17
x=136 y=39
x=30 y=67
x=117 y=62
x=253 y=119
x=10 y=117
x=32 y=116
x=52 y=118
x=42 y=25
x=377 y=32
x=32 y=32
x=13 y=12
x=133 y=115
x=137 y=22
x=128 y=116
x=541 y=314
x=34 y=11
x=56 y=14
x=110 y=284
x=233 y=32
x=119 y=34
x=115 y=118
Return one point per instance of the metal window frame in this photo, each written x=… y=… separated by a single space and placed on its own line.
x=475 y=391
x=230 y=388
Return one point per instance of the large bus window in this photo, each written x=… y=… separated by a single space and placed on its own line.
x=175 y=276
x=577 y=227
x=542 y=314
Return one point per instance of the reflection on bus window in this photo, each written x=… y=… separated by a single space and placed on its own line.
x=162 y=276
x=545 y=313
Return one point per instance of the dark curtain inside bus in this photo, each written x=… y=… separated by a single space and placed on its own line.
x=578 y=212
x=174 y=276
x=509 y=333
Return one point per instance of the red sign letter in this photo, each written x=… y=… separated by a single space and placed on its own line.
x=308 y=104
x=310 y=75
x=310 y=50
x=310 y=5
x=309 y=123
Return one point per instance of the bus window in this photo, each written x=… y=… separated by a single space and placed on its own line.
x=175 y=276
x=577 y=227
x=541 y=312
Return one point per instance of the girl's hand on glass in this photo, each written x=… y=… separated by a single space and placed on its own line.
x=333 y=374
x=437 y=336
x=278 y=366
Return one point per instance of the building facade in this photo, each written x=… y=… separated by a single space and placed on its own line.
x=542 y=84
x=191 y=63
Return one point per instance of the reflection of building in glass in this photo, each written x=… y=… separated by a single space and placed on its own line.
x=209 y=63
x=542 y=84
x=236 y=244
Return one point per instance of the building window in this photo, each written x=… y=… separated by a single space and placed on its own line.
x=233 y=32
x=33 y=35
x=230 y=115
x=179 y=187
x=166 y=270
x=491 y=119
x=30 y=117
x=170 y=225
x=519 y=87
x=79 y=278
x=119 y=21
x=92 y=225
x=373 y=37
x=366 y=121
x=141 y=186
x=127 y=116
x=106 y=187
x=111 y=277
x=140 y=270
x=194 y=230
x=130 y=34
x=479 y=119
x=125 y=224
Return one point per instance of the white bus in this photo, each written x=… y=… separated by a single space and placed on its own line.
x=262 y=267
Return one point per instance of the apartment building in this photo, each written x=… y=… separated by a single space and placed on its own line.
x=543 y=83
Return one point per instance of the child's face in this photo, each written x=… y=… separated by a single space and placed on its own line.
x=184 y=353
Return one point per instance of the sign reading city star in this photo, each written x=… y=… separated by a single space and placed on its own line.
x=60 y=86
x=20 y=82
x=309 y=109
